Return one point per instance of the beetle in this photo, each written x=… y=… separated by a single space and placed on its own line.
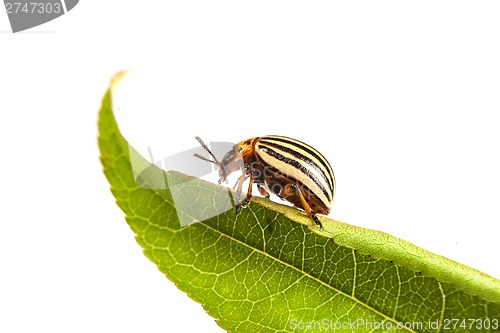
x=289 y=168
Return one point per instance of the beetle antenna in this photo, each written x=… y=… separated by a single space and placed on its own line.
x=215 y=161
x=204 y=158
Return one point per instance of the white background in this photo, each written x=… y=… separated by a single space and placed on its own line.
x=403 y=99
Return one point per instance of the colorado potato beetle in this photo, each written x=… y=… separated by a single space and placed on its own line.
x=289 y=168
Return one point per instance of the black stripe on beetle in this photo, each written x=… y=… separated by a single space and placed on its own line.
x=301 y=157
x=317 y=155
x=296 y=164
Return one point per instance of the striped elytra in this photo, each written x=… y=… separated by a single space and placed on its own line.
x=287 y=167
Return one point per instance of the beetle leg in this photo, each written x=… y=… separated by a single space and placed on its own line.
x=238 y=186
x=306 y=206
x=239 y=183
x=263 y=191
x=245 y=202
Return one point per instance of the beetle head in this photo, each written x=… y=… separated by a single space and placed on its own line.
x=234 y=160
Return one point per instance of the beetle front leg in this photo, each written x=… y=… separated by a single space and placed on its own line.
x=245 y=202
x=238 y=186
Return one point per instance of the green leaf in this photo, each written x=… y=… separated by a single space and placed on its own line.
x=269 y=269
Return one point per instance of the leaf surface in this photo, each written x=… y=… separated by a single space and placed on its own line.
x=269 y=269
